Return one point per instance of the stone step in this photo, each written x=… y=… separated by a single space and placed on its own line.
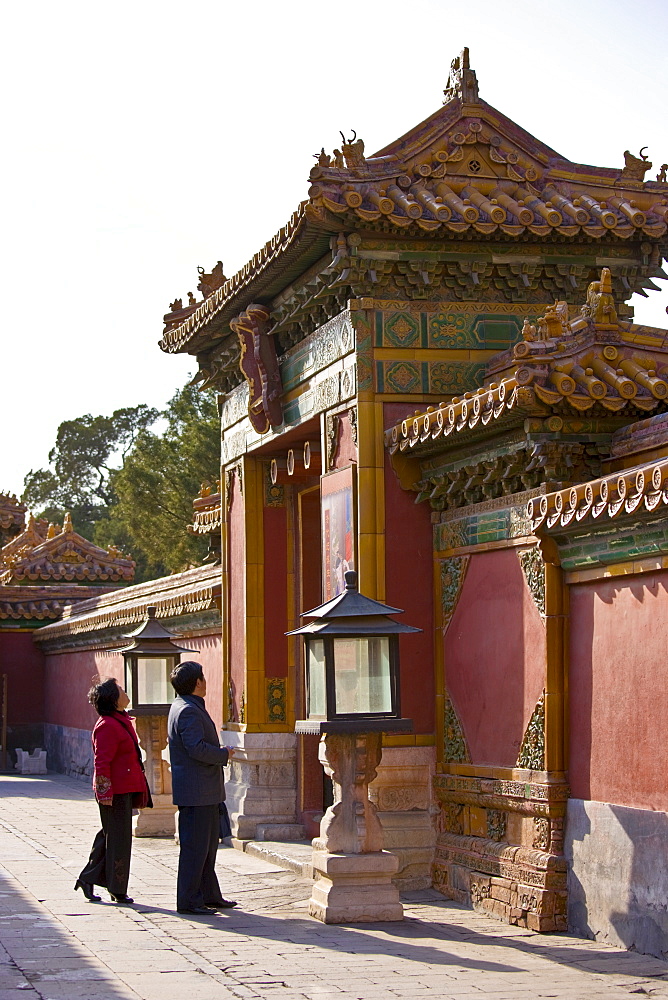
x=280 y=831
x=294 y=856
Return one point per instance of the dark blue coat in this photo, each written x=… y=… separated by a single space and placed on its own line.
x=196 y=755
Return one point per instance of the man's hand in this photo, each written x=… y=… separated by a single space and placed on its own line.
x=231 y=751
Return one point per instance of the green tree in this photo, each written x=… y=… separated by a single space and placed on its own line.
x=145 y=505
x=82 y=462
x=159 y=479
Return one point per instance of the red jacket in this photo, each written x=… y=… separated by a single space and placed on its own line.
x=117 y=769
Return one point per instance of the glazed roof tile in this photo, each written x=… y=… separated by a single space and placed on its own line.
x=644 y=488
x=208 y=515
x=41 y=603
x=12 y=512
x=32 y=535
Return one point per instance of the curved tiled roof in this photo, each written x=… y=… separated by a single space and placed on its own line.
x=474 y=179
x=63 y=556
x=476 y=408
x=304 y=237
x=466 y=170
x=189 y=592
x=41 y=603
x=606 y=498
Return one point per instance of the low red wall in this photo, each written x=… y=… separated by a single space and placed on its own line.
x=494 y=650
x=409 y=585
x=69 y=676
x=23 y=663
x=617 y=690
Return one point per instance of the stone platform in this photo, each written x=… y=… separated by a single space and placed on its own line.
x=55 y=945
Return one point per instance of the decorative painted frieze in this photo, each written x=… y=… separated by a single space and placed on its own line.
x=532 y=749
x=326 y=345
x=489 y=521
x=449 y=378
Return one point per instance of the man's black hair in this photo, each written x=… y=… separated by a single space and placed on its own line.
x=184 y=677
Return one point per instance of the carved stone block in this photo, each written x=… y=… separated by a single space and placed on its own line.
x=353 y=888
x=260 y=781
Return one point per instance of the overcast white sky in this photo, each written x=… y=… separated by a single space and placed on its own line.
x=144 y=138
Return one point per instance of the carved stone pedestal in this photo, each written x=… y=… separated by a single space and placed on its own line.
x=160 y=821
x=260 y=783
x=353 y=873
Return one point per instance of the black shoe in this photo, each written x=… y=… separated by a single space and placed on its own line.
x=224 y=904
x=200 y=911
x=87 y=889
x=121 y=898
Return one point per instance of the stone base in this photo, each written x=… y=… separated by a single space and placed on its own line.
x=160 y=821
x=354 y=888
x=402 y=794
x=519 y=885
x=280 y=831
x=260 y=781
x=618 y=876
x=68 y=750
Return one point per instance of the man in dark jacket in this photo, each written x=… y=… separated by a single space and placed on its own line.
x=198 y=788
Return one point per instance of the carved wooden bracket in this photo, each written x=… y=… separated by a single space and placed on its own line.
x=259 y=364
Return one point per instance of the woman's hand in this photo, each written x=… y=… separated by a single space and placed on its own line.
x=106 y=802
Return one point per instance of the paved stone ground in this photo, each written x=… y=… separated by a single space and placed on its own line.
x=56 y=946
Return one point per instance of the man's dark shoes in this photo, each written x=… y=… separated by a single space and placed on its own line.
x=223 y=904
x=200 y=911
x=121 y=898
x=88 y=891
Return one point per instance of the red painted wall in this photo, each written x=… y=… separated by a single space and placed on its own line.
x=618 y=692
x=409 y=585
x=275 y=591
x=494 y=652
x=237 y=594
x=211 y=657
x=69 y=676
x=23 y=662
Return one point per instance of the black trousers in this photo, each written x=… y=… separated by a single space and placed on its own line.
x=199 y=832
x=109 y=861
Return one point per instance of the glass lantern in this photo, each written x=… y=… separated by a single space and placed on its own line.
x=352 y=665
x=149 y=661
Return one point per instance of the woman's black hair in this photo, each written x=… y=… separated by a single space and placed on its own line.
x=104 y=696
x=184 y=677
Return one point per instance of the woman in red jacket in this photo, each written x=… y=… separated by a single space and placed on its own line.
x=120 y=785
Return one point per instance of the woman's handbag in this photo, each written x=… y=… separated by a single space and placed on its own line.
x=142 y=800
x=225 y=826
